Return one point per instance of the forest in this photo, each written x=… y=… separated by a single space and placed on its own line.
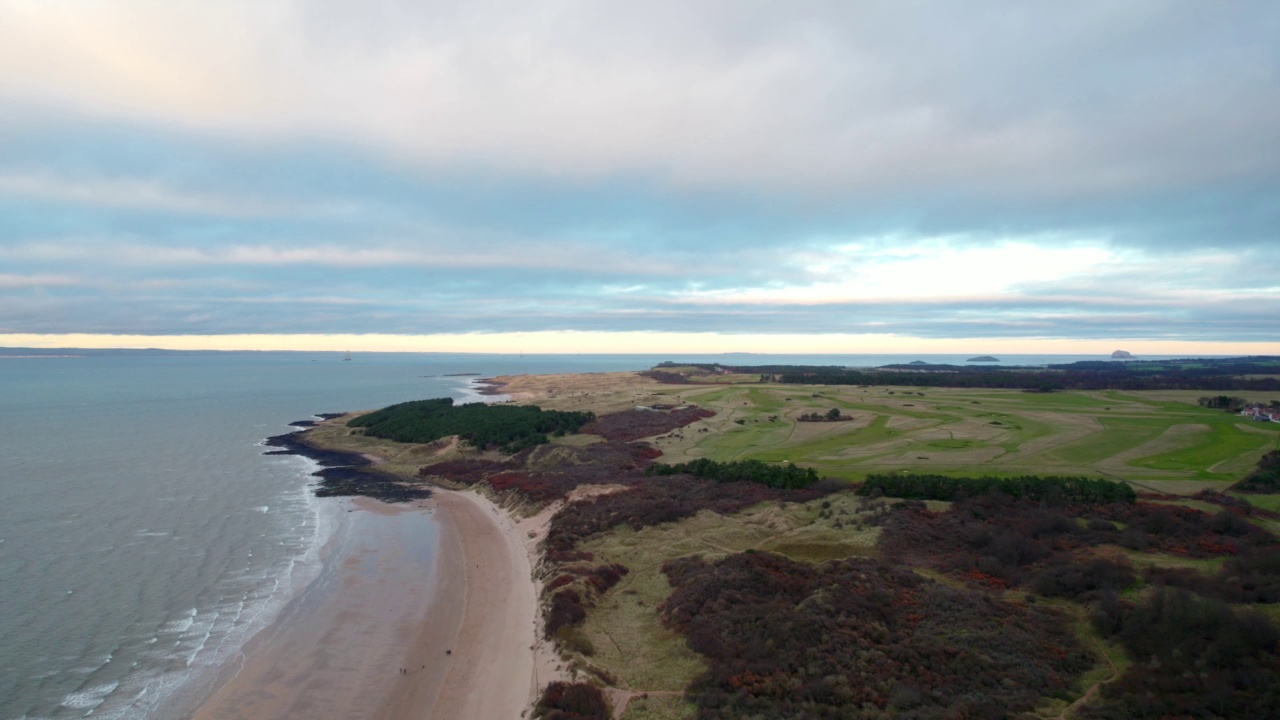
x=510 y=428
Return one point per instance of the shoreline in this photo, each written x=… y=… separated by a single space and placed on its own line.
x=336 y=647
x=442 y=588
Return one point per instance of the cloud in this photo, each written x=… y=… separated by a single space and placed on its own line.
x=141 y=194
x=931 y=270
x=973 y=169
x=430 y=254
x=9 y=281
x=979 y=98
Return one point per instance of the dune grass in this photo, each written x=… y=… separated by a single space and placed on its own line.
x=660 y=707
x=625 y=629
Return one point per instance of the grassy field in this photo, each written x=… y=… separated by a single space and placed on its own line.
x=1162 y=440
x=625 y=631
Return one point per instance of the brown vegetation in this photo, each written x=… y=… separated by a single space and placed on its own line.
x=635 y=424
x=861 y=638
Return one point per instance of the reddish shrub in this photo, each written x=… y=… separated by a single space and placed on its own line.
x=861 y=638
x=635 y=424
x=571 y=701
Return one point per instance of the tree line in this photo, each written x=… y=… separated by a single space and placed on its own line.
x=787 y=476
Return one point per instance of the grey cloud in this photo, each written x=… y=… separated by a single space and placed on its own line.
x=985 y=98
x=431 y=167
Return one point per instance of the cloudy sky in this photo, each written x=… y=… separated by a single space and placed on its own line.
x=597 y=175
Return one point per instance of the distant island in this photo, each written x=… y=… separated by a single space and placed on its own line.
x=983 y=358
x=1121 y=355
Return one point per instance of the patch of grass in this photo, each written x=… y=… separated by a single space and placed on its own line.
x=876 y=431
x=710 y=396
x=624 y=630
x=1206 y=449
x=1141 y=560
x=1266 y=502
x=1072 y=401
x=742 y=442
x=765 y=400
x=892 y=409
x=1119 y=433
x=660 y=707
x=952 y=444
x=1024 y=430
x=577 y=440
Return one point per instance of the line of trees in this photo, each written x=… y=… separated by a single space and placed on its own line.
x=510 y=428
x=786 y=476
x=915 y=486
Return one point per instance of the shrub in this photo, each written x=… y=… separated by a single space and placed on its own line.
x=1193 y=657
x=1031 y=487
x=860 y=638
x=1265 y=478
x=784 y=475
x=571 y=701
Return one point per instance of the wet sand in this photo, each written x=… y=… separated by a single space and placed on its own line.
x=441 y=588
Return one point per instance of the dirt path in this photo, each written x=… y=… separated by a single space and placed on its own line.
x=1092 y=691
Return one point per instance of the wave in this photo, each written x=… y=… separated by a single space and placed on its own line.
x=89 y=698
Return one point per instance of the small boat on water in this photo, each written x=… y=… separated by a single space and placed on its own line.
x=347 y=357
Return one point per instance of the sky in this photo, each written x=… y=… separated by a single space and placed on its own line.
x=641 y=176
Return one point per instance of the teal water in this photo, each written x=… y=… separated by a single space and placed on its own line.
x=144 y=536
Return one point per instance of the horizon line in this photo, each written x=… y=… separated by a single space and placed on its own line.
x=631 y=343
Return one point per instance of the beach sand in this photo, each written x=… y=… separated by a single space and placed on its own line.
x=442 y=588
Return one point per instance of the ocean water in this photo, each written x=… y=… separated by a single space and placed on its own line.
x=144 y=535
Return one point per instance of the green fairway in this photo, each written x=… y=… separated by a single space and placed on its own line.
x=1143 y=437
x=1118 y=434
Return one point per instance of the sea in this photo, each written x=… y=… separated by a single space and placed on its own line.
x=144 y=534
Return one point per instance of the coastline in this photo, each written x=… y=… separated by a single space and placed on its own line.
x=336 y=648
x=442 y=588
x=499 y=661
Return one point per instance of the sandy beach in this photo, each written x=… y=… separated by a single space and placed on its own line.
x=426 y=610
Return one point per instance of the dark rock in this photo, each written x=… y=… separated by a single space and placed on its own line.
x=346 y=473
